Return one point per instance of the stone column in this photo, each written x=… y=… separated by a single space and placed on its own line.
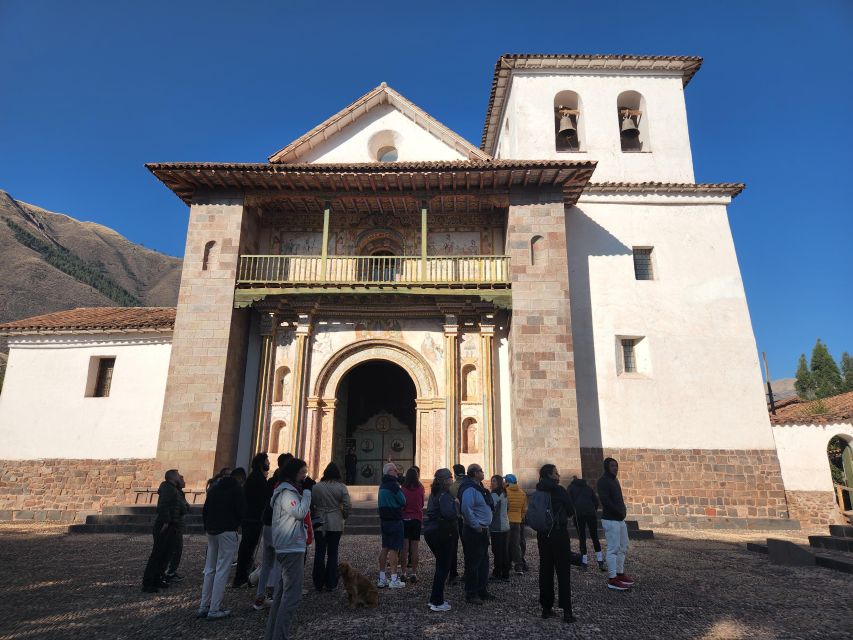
x=204 y=391
x=543 y=400
x=451 y=382
x=301 y=363
x=266 y=377
x=487 y=334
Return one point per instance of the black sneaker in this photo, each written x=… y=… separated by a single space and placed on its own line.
x=473 y=600
x=163 y=584
x=240 y=583
x=487 y=596
x=150 y=590
x=547 y=613
x=568 y=618
x=174 y=577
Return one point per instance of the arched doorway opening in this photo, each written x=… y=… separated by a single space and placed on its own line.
x=839 y=452
x=375 y=418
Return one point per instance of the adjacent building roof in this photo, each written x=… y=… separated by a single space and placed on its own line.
x=826 y=411
x=386 y=178
x=687 y=66
x=383 y=94
x=730 y=189
x=95 y=320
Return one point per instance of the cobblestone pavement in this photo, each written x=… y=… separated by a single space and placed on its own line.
x=691 y=584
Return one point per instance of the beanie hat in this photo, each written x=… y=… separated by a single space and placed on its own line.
x=511 y=479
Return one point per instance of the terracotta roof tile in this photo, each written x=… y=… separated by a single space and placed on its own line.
x=731 y=189
x=95 y=319
x=837 y=409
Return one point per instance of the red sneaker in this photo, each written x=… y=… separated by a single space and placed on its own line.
x=617 y=584
x=625 y=578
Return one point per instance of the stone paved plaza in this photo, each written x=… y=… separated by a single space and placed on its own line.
x=693 y=584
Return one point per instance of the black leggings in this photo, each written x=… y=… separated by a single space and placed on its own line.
x=588 y=522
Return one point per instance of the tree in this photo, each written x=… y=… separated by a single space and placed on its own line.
x=826 y=379
x=846 y=372
x=804 y=385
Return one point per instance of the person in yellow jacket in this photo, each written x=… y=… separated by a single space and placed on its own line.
x=516 y=510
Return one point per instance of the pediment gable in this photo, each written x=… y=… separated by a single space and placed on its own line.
x=378 y=122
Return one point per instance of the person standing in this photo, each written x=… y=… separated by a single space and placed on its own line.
x=223 y=511
x=267 y=578
x=413 y=516
x=516 y=510
x=554 y=546
x=586 y=504
x=477 y=511
x=290 y=538
x=613 y=513
x=391 y=503
x=330 y=499
x=459 y=476
x=441 y=535
x=350 y=465
x=257 y=497
x=165 y=528
x=499 y=530
x=177 y=552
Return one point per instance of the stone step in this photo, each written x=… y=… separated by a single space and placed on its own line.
x=831 y=542
x=826 y=559
x=126 y=528
x=840 y=531
x=148 y=520
x=139 y=510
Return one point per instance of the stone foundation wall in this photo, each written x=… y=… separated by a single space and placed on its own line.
x=662 y=485
x=816 y=509
x=61 y=489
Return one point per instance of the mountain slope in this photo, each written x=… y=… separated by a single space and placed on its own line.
x=52 y=262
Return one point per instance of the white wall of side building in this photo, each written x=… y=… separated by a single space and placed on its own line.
x=527 y=124
x=702 y=387
x=44 y=411
x=802 y=453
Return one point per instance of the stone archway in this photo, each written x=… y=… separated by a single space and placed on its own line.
x=430 y=406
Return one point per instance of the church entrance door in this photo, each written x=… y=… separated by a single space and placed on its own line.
x=375 y=419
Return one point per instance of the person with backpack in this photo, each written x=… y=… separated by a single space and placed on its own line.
x=477 y=513
x=548 y=513
x=440 y=534
x=516 y=511
x=257 y=498
x=613 y=513
x=586 y=505
x=459 y=476
x=499 y=530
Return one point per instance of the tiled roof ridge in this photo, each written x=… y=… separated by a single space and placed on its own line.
x=367 y=167
x=726 y=188
x=95 y=319
x=839 y=410
x=508 y=61
x=446 y=131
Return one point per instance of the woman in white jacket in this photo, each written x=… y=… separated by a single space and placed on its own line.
x=290 y=502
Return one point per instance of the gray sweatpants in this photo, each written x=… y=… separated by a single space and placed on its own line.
x=288 y=593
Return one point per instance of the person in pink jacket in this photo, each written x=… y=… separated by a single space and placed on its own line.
x=413 y=517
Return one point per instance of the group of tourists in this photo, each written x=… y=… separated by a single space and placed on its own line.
x=285 y=513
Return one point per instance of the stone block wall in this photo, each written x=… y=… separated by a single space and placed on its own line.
x=62 y=489
x=543 y=402
x=814 y=509
x=661 y=485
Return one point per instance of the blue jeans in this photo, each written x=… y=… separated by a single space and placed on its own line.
x=325 y=572
x=475 y=546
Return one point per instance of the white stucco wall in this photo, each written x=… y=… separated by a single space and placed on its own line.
x=703 y=388
x=530 y=112
x=353 y=143
x=43 y=409
x=802 y=454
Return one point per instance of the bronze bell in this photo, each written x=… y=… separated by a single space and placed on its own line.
x=629 y=128
x=567 y=129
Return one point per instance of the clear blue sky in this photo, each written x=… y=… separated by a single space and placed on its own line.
x=90 y=91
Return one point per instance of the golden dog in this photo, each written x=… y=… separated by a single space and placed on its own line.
x=360 y=590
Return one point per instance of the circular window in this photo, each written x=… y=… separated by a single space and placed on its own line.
x=387 y=154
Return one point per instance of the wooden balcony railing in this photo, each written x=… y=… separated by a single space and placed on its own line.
x=287 y=271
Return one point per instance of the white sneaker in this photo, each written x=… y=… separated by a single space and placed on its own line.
x=381 y=583
x=440 y=607
x=218 y=615
x=396 y=584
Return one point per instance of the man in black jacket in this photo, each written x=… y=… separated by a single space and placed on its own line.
x=257 y=496
x=555 y=551
x=586 y=505
x=224 y=510
x=615 y=530
x=165 y=529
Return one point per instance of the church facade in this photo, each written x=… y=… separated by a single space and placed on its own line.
x=563 y=292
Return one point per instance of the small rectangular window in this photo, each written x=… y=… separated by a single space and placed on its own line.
x=643 y=269
x=629 y=360
x=104 y=377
